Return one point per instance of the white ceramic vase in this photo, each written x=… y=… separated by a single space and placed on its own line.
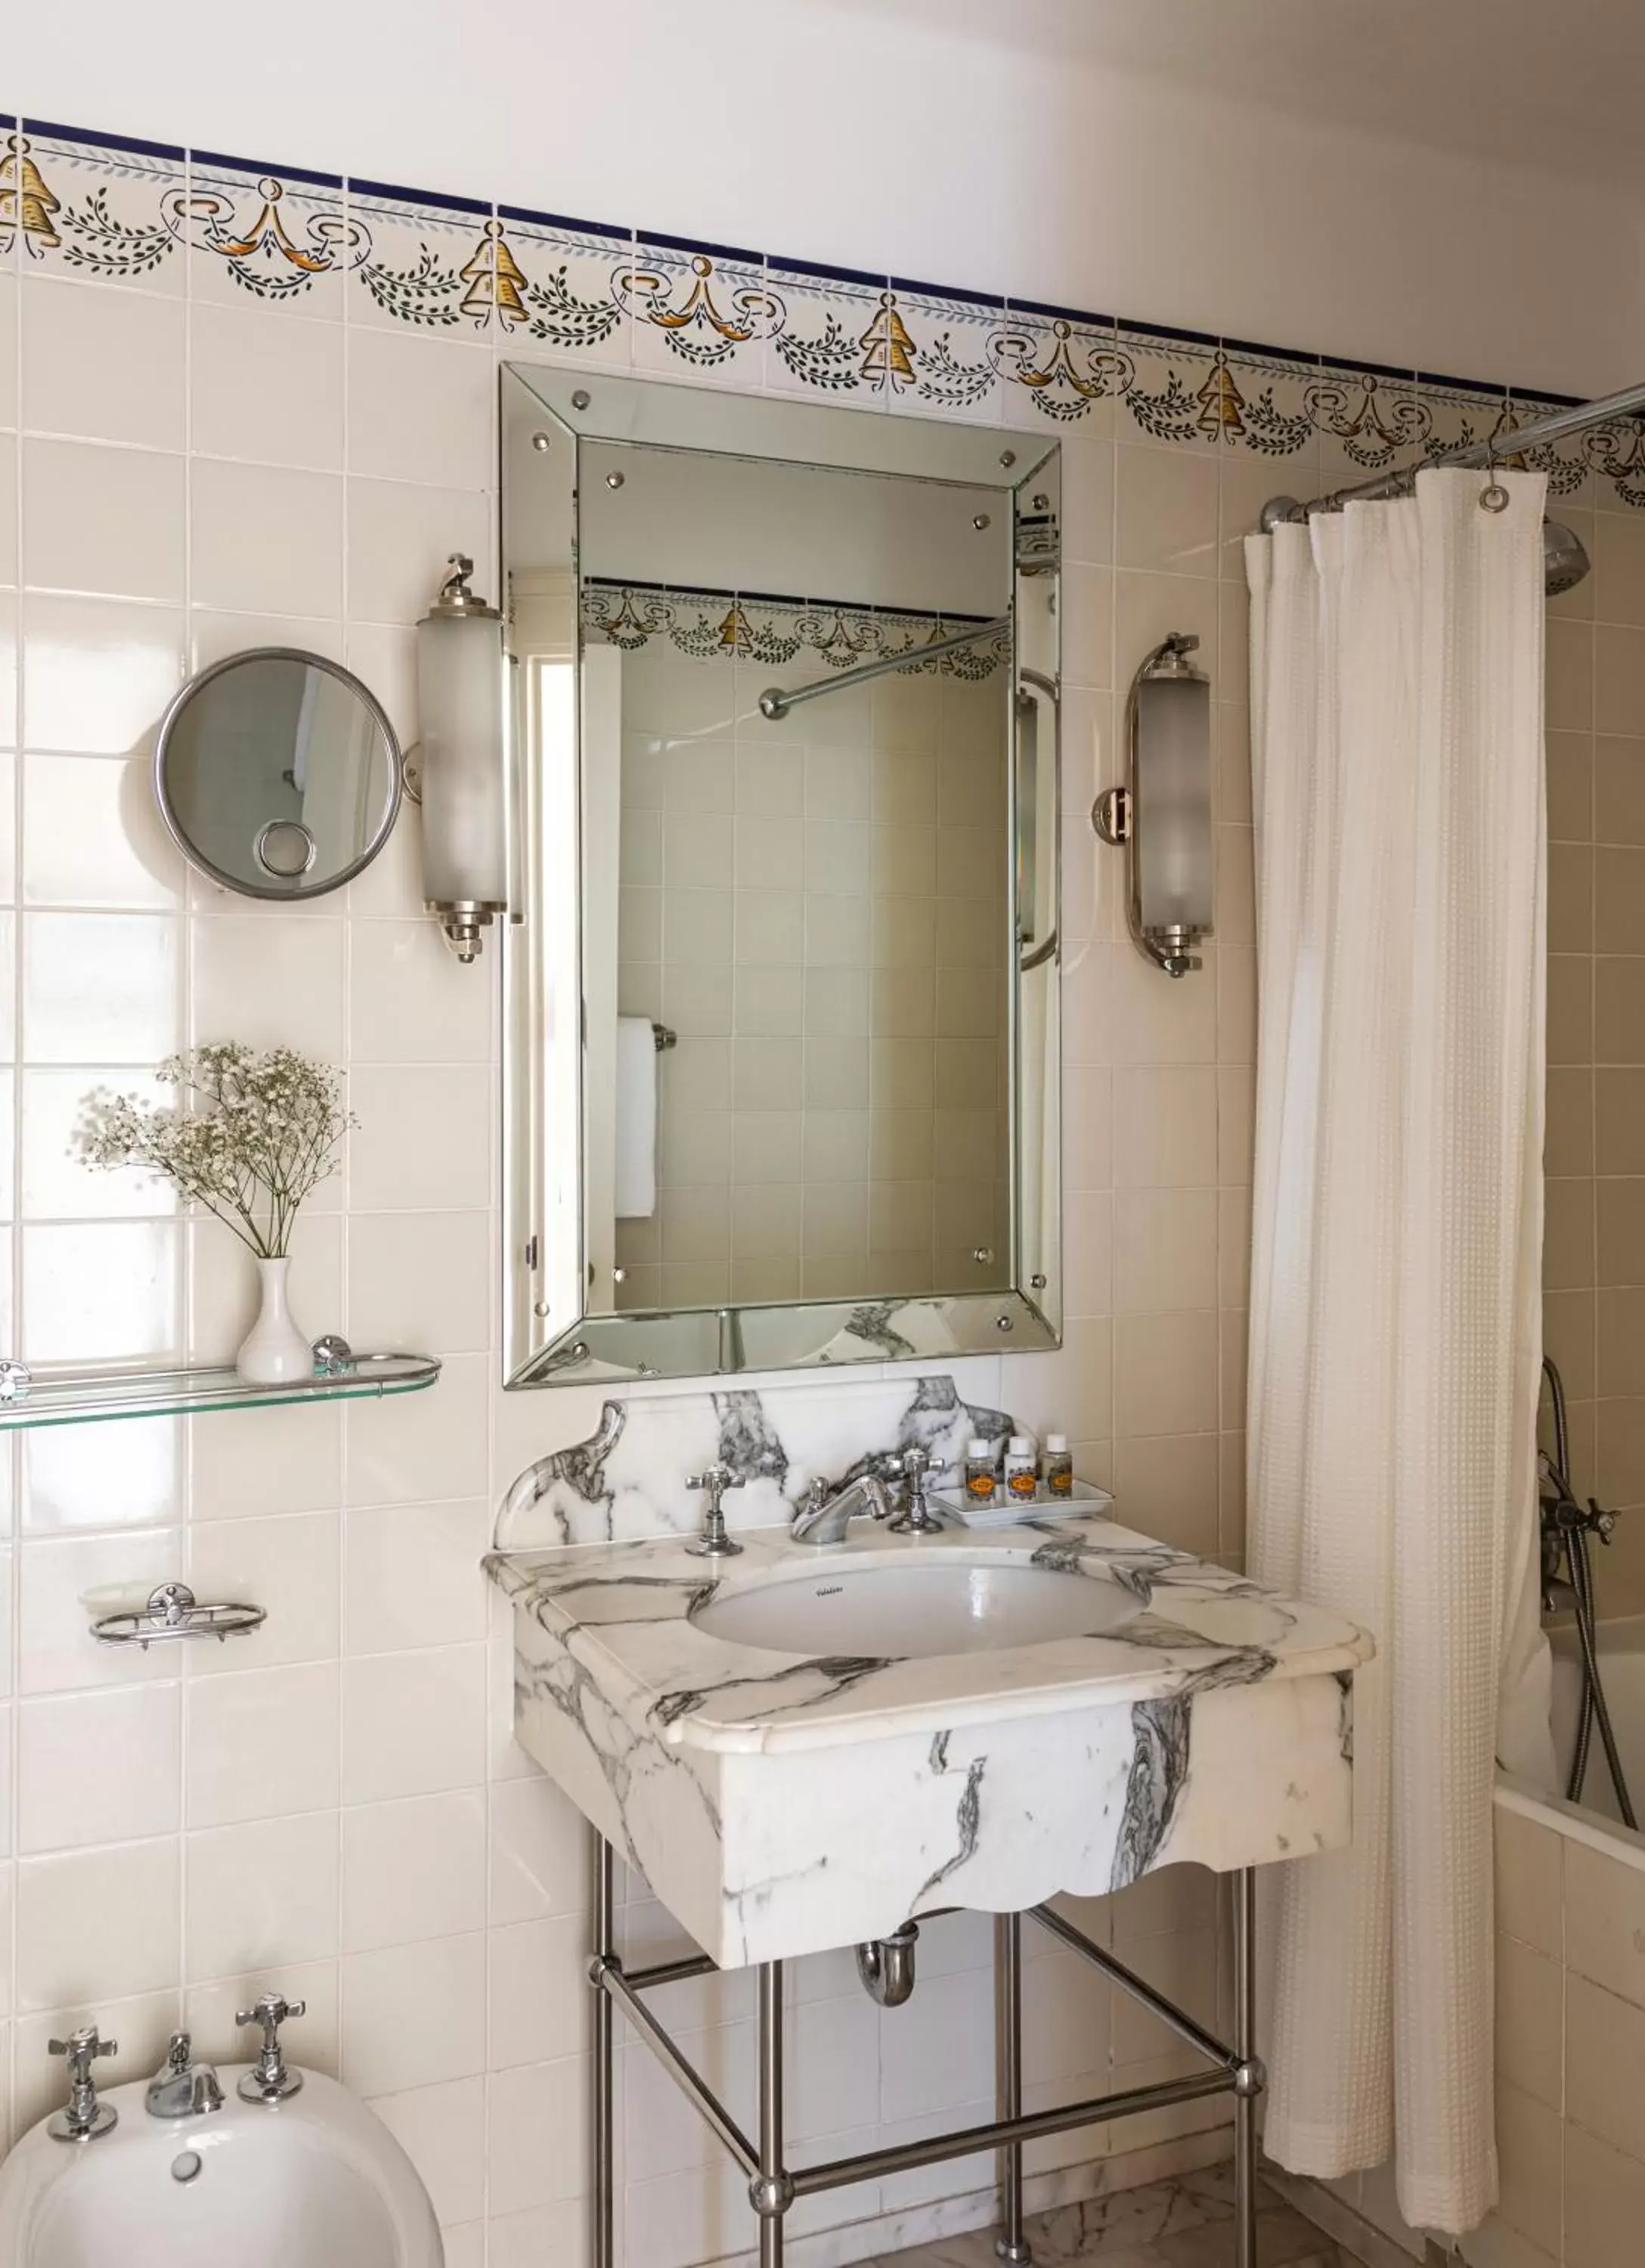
x=274 y=1352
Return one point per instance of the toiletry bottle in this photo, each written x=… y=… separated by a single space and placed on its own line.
x=1021 y=1480
x=1056 y=1467
x=979 y=1472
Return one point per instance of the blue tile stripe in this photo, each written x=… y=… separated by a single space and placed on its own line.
x=846 y=333
x=385 y=192
x=119 y=143
x=257 y=169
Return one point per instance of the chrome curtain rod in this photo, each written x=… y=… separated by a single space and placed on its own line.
x=1629 y=403
x=774 y=703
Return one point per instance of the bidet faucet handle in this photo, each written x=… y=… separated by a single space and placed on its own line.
x=84 y=2117
x=82 y=2049
x=271 y=2010
x=268 y=2080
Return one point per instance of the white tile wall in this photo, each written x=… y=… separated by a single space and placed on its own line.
x=336 y=1806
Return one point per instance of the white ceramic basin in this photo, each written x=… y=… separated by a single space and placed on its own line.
x=316 y=2182
x=947 y=1606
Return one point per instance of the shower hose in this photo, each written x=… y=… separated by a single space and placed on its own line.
x=1566 y=1528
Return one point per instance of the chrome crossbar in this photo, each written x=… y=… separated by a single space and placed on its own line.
x=607 y=1975
x=1030 y=2126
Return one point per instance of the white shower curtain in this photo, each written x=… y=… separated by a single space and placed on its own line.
x=1395 y=1308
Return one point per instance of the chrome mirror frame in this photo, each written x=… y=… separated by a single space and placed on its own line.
x=549 y=1336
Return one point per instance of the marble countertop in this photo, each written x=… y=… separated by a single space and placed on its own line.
x=621 y=1614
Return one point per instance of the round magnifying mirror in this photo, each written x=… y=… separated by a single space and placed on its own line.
x=277 y=774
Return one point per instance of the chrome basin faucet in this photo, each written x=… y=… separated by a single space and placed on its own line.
x=827 y=1512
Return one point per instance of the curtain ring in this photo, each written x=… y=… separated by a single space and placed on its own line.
x=1493 y=497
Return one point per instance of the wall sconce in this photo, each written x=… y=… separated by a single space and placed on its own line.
x=459 y=692
x=1161 y=816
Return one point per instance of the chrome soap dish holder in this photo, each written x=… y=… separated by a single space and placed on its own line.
x=174 y=1612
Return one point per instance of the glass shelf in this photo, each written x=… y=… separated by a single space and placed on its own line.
x=80 y=1397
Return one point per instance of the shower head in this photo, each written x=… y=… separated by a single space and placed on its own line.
x=1564 y=559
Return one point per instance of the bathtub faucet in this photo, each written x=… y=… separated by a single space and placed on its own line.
x=1563 y=1519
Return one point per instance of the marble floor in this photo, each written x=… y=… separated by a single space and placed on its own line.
x=1185 y=2223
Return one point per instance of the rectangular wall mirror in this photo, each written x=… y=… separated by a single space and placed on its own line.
x=781 y=1034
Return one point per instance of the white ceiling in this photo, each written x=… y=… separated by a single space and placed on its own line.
x=1549 y=89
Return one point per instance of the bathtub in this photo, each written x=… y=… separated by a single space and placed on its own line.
x=1571 y=1993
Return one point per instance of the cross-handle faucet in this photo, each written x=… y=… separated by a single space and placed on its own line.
x=915 y=1518
x=82 y=2117
x=181 y=2088
x=269 y=2079
x=715 y=1479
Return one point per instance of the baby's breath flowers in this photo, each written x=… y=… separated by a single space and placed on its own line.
x=251 y=1134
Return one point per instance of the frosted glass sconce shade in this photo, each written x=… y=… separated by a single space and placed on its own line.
x=459 y=693
x=1173 y=810
x=1161 y=817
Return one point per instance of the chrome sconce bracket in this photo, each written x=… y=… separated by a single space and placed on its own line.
x=1161 y=815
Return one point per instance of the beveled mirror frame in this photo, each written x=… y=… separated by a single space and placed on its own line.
x=548 y=1335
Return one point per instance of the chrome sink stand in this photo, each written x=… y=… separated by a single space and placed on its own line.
x=773 y=2185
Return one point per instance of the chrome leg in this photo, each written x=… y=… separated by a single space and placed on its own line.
x=604 y=1950
x=1010 y=2244
x=771 y=2192
x=1250 y=2078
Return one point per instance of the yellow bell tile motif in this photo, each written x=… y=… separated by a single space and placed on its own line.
x=888 y=350
x=25 y=203
x=1221 y=402
x=87 y=234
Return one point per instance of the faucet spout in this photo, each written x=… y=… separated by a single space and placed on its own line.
x=827 y=1512
x=181 y=2088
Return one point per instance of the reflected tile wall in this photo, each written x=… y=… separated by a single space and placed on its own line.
x=1594 y=1251
x=823 y=906
x=305 y=440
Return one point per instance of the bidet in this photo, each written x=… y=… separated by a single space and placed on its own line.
x=315 y=2178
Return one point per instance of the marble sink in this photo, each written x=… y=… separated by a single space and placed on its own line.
x=801 y=1748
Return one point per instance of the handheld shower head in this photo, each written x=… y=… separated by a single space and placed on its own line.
x=1565 y=559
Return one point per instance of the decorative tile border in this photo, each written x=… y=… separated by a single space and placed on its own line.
x=250 y=229
x=134 y=212
x=709 y=625
x=94 y=204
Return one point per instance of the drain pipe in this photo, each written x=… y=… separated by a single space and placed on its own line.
x=885 y=1966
